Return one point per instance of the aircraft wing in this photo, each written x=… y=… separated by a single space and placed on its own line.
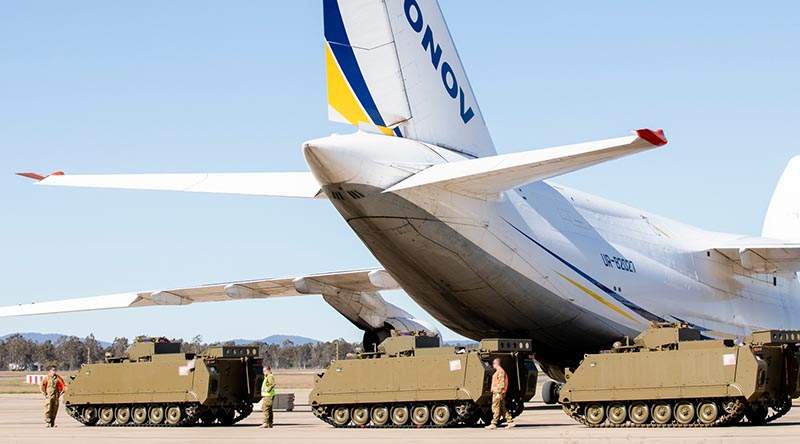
x=369 y=280
x=487 y=176
x=256 y=184
x=764 y=257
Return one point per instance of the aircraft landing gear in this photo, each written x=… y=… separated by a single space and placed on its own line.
x=550 y=392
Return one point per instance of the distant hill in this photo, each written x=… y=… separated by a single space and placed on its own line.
x=278 y=340
x=274 y=339
x=44 y=337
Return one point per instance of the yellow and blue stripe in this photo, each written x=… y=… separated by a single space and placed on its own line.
x=613 y=294
x=348 y=92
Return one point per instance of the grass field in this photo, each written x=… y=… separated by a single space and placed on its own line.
x=14 y=382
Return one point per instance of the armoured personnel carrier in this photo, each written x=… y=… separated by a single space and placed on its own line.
x=411 y=381
x=157 y=385
x=673 y=377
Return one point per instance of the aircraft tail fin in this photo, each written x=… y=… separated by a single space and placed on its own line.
x=783 y=216
x=392 y=65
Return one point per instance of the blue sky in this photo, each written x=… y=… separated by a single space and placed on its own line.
x=192 y=86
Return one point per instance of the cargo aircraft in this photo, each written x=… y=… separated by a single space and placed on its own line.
x=484 y=243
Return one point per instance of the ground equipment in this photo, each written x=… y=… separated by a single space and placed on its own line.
x=411 y=381
x=673 y=376
x=156 y=384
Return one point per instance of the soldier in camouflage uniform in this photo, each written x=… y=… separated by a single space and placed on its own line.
x=499 y=388
x=52 y=387
x=267 y=395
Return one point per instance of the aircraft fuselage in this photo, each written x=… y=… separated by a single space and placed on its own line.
x=570 y=270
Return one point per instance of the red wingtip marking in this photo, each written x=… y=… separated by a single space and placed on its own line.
x=33 y=176
x=61 y=173
x=656 y=137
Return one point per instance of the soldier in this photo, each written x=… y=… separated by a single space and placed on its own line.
x=267 y=393
x=499 y=388
x=52 y=388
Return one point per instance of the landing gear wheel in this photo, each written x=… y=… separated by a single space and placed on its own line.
x=380 y=415
x=123 y=415
x=156 y=414
x=139 y=415
x=756 y=414
x=89 y=415
x=662 y=412
x=550 y=393
x=639 y=413
x=617 y=413
x=420 y=414
x=707 y=412
x=341 y=416
x=174 y=415
x=106 y=415
x=399 y=415
x=684 y=412
x=595 y=414
x=360 y=415
x=440 y=415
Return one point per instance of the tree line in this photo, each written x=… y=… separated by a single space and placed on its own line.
x=70 y=352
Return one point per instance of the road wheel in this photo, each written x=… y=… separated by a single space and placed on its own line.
x=174 y=415
x=684 y=412
x=639 y=412
x=440 y=415
x=420 y=414
x=89 y=415
x=380 y=415
x=360 y=415
x=617 y=413
x=595 y=413
x=207 y=418
x=226 y=416
x=662 y=412
x=139 y=415
x=757 y=414
x=341 y=416
x=156 y=414
x=707 y=412
x=399 y=415
x=123 y=415
x=515 y=406
x=106 y=415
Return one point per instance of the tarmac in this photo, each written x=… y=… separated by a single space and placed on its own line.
x=22 y=421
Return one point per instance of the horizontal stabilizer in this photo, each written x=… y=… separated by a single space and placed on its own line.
x=486 y=177
x=371 y=280
x=257 y=184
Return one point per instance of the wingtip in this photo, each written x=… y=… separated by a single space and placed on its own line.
x=38 y=177
x=656 y=137
x=33 y=176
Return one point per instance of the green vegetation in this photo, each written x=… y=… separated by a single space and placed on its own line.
x=70 y=352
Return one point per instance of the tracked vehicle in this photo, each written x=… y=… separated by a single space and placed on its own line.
x=670 y=376
x=155 y=384
x=411 y=381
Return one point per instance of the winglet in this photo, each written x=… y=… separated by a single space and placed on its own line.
x=656 y=137
x=39 y=177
